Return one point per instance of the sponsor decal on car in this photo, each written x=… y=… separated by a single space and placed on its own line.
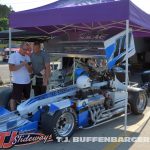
x=10 y=139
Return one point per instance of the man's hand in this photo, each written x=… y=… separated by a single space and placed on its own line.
x=24 y=63
x=45 y=82
x=29 y=67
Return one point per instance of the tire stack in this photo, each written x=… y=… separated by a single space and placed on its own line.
x=145 y=76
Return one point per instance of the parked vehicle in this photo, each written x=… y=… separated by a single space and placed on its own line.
x=7 y=52
x=1 y=54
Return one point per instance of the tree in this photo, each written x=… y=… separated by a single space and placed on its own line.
x=5 y=11
x=3 y=24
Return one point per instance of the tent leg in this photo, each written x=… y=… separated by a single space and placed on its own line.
x=126 y=77
x=74 y=67
x=9 y=41
x=10 y=38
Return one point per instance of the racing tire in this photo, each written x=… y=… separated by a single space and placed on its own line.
x=60 y=125
x=5 y=95
x=138 y=101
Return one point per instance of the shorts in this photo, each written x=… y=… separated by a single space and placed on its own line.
x=21 y=91
x=38 y=90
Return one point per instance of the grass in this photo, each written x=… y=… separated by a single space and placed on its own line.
x=3 y=45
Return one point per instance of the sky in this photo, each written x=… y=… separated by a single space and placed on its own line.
x=19 y=5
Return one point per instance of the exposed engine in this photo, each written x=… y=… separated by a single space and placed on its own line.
x=96 y=101
x=87 y=93
x=99 y=100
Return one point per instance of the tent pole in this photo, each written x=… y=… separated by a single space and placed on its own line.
x=126 y=76
x=10 y=38
x=74 y=67
x=9 y=41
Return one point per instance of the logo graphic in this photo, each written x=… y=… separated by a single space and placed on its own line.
x=115 y=48
x=10 y=139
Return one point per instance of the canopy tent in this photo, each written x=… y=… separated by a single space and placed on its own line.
x=82 y=15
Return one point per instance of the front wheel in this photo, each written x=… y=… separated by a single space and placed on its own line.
x=138 y=101
x=62 y=124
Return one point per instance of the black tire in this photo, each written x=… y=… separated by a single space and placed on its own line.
x=49 y=123
x=135 y=97
x=145 y=76
x=5 y=95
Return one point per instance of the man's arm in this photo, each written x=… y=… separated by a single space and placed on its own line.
x=47 y=74
x=12 y=63
x=13 y=67
x=47 y=68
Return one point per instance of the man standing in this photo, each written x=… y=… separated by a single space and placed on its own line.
x=20 y=67
x=41 y=69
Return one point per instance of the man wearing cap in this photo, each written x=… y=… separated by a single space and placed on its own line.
x=20 y=67
x=41 y=69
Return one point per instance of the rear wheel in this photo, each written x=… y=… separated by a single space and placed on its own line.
x=138 y=101
x=62 y=124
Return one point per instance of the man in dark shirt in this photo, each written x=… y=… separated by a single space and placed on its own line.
x=41 y=69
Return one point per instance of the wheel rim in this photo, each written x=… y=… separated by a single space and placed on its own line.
x=65 y=124
x=141 y=102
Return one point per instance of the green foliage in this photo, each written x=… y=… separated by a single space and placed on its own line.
x=5 y=11
x=3 y=24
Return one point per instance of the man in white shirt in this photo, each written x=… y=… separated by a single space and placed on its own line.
x=20 y=67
